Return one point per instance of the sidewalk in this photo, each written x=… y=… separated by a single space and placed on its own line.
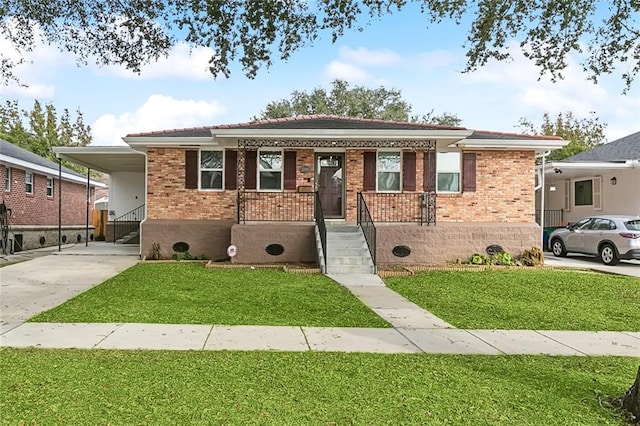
x=372 y=340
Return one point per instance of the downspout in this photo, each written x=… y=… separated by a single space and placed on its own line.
x=543 y=156
x=59 y=204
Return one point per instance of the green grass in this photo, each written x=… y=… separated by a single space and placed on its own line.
x=171 y=293
x=526 y=299
x=136 y=387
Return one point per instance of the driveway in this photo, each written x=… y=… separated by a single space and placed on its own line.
x=39 y=284
x=625 y=267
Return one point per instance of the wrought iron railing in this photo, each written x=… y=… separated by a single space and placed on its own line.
x=402 y=207
x=322 y=227
x=551 y=218
x=127 y=223
x=368 y=227
x=277 y=206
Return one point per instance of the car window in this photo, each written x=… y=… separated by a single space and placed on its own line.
x=633 y=225
x=584 y=224
x=603 y=225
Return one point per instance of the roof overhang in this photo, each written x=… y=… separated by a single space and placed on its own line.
x=106 y=159
x=355 y=134
x=538 y=145
x=570 y=170
x=36 y=168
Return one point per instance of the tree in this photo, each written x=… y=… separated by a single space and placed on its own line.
x=341 y=100
x=43 y=131
x=132 y=33
x=582 y=134
x=445 y=119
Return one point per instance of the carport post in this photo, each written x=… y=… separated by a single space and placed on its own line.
x=59 y=204
x=86 y=236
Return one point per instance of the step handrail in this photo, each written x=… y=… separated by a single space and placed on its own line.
x=128 y=222
x=322 y=227
x=365 y=221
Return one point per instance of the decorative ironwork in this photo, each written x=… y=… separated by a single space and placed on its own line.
x=424 y=144
x=278 y=206
x=5 y=214
x=241 y=165
x=368 y=227
x=322 y=227
x=428 y=208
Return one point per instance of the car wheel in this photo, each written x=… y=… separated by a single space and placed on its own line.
x=557 y=247
x=608 y=254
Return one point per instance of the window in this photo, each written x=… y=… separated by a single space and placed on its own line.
x=211 y=169
x=49 y=187
x=448 y=171
x=7 y=179
x=388 y=171
x=583 y=224
x=28 y=183
x=583 y=192
x=270 y=170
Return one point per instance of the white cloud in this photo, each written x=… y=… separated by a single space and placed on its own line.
x=182 y=63
x=348 y=72
x=159 y=112
x=369 y=58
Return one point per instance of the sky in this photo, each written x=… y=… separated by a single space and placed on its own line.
x=398 y=51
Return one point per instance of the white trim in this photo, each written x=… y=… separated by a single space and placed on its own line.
x=281 y=170
x=168 y=141
x=330 y=133
x=53 y=186
x=596 y=192
x=459 y=172
x=32 y=182
x=7 y=179
x=42 y=170
x=511 y=144
x=400 y=177
x=200 y=170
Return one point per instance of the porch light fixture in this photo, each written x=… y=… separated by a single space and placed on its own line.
x=613 y=180
x=557 y=170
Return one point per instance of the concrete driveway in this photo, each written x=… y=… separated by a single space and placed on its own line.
x=39 y=284
x=625 y=267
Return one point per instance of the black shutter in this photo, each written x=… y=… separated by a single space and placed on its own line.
x=250 y=167
x=191 y=169
x=429 y=171
x=369 y=175
x=409 y=171
x=289 y=170
x=468 y=172
x=230 y=169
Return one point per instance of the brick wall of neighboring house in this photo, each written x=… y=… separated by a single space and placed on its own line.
x=40 y=209
x=505 y=191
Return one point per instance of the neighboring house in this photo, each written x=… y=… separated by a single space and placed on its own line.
x=604 y=180
x=30 y=201
x=434 y=193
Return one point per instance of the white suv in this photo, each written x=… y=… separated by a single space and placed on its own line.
x=609 y=237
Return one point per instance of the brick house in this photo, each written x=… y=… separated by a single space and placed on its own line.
x=30 y=200
x=432 y=193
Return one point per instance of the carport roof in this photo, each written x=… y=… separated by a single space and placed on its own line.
x=106 y=159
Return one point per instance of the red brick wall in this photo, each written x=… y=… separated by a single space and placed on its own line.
x=504 y=191
x=37 y=208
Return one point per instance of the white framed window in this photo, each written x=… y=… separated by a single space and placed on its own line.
x=388 y=171
x=49 y=187
x=7 y=179
x=448 y=167
x=587 y=193
x=211 y=169
x=28 y=182
x=270 y=170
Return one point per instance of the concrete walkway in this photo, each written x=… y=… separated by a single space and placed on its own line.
x=44 y=282
x=630 y=268
x=372 y=340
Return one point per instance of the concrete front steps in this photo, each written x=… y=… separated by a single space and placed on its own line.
x=347 y=251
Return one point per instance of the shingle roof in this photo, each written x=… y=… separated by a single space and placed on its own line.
x=14 y=151
x=626 y=148
x=485 y=134
x=302 y=122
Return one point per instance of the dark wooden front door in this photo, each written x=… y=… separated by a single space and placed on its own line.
x=330 y=184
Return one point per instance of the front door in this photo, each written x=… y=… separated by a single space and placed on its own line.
x=330 y=184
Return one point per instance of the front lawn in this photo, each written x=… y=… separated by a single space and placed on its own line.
x=169 y=387
x=526 y=299
x=187 y=293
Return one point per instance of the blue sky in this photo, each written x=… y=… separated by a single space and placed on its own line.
x=397 y=51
